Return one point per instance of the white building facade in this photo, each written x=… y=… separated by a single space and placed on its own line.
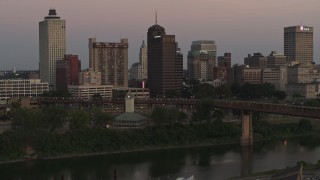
x=52 y=46
x=21 y=88
x=88 y=91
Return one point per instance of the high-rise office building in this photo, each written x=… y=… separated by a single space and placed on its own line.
x=298 y=44
x=164 y=67
x=52 y=46
x=67 y=71
x=143 y=60
x=111 y=59
x=140 y=70
x=202 y=59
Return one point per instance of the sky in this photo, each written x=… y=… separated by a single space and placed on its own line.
x=241 y=27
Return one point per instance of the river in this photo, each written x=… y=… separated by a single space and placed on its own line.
x=214 y=162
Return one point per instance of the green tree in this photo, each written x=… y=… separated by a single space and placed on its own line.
x=100 y=119
x=29 y=119
x=78 y=119
x=168 y=116
x=312 y=102
x=305 y=125
x=159 y=115
x=204 y=108
x=280 y=94
x=171 y=93
x=224 y=91
x=58 y=93
x=54 y=116
x=218 y=115
x=235 y=89
x=96 y=96
x=204 y=90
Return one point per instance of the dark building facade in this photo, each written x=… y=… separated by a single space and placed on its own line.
x=201 y=59
x=67 y=71
x=165 y=68
x=257 y=60
x=224 y=64
x=298 y=44
x=225 y=61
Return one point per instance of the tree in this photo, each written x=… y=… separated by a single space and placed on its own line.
x=158 y=115
x=235 y=89
x=204 y=90
x=100 y=119
x=54 y=116
x=96 y=96
x=218 y=115
x=169 y=116
x=171 y=93
x=78 y=119
x=58 y=93
x=204 y=108
x=224 y=91
x=280 y=94
x=312 y=102
x=29 y=119
x=305 y=125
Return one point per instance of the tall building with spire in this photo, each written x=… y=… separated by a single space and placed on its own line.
x=164 y=62
x=298 y=44
x=52 y=46
x=139 y=70
x=143 y=60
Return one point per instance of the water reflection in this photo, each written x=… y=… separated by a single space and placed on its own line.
x=246 y=160
x=216 y=162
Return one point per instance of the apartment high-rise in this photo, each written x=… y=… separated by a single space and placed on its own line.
x=298 y=44
x=52 y=46
x=164 y=67
x=202 y=59
x=111 y=59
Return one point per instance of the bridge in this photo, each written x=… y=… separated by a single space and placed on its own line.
x=246 y=108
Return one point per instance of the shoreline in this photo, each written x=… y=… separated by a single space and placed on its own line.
x=216 y=142
x=76 y=155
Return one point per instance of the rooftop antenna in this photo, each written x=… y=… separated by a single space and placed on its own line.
x=156 y=17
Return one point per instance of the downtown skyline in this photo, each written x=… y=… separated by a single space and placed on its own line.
x=241 y=28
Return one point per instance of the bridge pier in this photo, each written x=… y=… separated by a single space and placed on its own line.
x=247 y=129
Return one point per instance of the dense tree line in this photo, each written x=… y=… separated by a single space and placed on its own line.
x=48 y=143
x=55 y=118
x=199 y=90
x=84 y=140
x=265 y=129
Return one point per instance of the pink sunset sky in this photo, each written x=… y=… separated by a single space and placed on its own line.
x=238 y=26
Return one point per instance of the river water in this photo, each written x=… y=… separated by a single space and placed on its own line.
x=214 y=162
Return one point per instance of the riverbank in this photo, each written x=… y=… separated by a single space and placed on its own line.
x=24 y=145
x=216 y=142
x=309 y=170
